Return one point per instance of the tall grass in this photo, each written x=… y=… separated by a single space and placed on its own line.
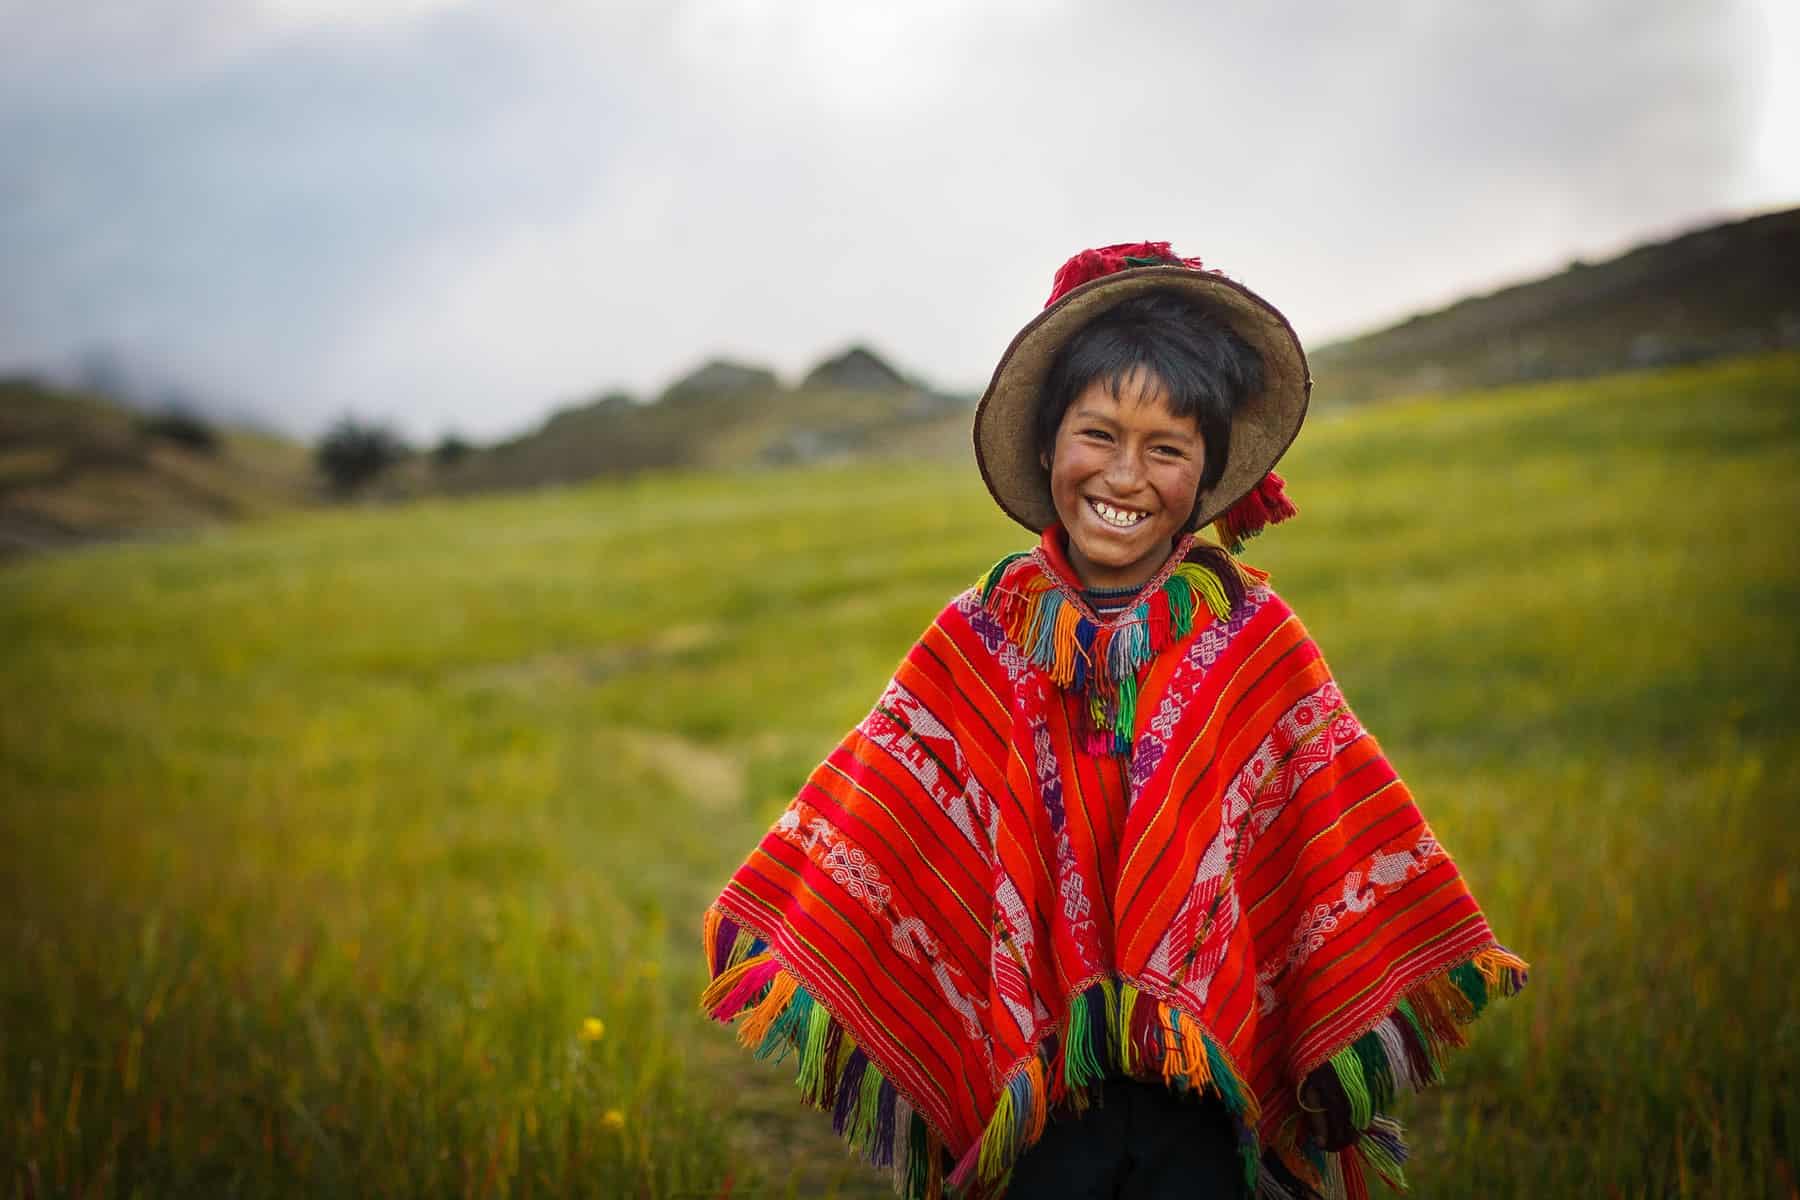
x=364 y=852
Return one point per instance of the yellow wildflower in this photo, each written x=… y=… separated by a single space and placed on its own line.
x=592 y=1030
x=612 y=1118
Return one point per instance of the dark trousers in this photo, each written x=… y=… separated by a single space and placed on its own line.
x=1142 y=1141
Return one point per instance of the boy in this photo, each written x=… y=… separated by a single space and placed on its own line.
x=1111 y=833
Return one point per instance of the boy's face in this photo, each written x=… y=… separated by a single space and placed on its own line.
x=1124 y=473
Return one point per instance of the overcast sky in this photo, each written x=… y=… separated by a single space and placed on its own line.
x=460 y=215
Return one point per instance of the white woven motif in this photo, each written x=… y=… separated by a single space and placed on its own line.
x=1307 y=736
x=1069 y=884
x=851 y=869
x=1016 y=664
x=1185 y=684
x=1011 y=951
x=903 y=726
x=1376 y=877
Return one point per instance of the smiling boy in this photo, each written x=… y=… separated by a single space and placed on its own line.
x=1111 y=894
x=1123 y=428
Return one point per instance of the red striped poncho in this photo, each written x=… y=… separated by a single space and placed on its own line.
x=1058 y=848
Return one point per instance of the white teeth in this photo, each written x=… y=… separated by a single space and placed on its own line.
x=1118 y=517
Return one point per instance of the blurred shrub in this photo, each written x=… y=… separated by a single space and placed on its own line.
x=450 y=451
x=182 y=428
x=352 y=453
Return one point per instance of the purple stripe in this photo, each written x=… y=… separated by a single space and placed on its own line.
x=728 y=931
x=849 y=1089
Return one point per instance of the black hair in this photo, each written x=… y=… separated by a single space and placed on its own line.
x=1206 y=370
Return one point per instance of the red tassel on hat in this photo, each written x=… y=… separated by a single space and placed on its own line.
x=1267 y=504
x=1090 y=265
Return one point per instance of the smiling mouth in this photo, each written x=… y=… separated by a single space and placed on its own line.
x=1113 y=515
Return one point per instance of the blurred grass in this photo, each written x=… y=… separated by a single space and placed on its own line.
x=321 y=839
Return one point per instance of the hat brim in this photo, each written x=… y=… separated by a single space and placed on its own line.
x=1262 y=428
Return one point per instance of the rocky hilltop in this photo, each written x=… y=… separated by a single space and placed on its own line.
x=721 y=414
x=857 y=369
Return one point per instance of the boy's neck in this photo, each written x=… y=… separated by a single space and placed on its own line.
x=1099 y=580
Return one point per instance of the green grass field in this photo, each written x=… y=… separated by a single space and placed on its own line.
x=364 y=852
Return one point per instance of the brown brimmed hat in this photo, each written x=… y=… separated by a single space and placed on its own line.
x=1249 y=494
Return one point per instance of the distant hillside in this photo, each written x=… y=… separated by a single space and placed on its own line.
x=724 y=414
x=75 y=468
x=1729 y=289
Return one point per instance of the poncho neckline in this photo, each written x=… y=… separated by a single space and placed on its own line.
x=1052 y=556
x=1036 y=597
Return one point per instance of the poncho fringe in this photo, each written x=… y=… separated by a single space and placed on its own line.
x=833 y=1074
x=887 y=1104
x=1113 y=1026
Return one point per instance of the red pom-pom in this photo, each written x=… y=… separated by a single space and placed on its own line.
x=1090 y=265
x=1267 y=504
x=1272 y=494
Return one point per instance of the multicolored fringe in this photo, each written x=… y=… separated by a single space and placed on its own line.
x=833 y=1073
x=1102 y=661
x=1406 y=1050
x=1113 y=1028
x=1267 y=504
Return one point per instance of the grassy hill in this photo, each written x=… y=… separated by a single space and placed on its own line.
x=722 y=415
x=364 y=851
x=1724 y=290
x=76 y=469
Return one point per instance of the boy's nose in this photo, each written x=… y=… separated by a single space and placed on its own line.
x=1123 y=475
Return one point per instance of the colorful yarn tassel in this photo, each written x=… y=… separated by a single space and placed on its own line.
x=1099 y=663
x=777 y=1016
x=1267 y=504
x=1113 y=1028
x=1406 y=1050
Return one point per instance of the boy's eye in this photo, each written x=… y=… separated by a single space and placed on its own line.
x=1096 y=433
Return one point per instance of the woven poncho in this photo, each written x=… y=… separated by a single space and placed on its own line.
x=1059 y=848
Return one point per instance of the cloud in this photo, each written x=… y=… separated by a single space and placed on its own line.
x=461 y=214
